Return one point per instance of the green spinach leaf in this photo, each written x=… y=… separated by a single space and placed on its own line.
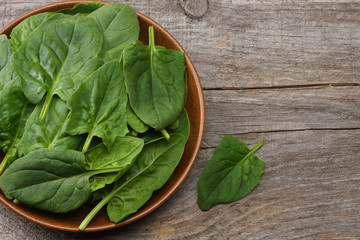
x=57 y=57
x=50 y=179
x=150 y=171
x=27 y=26
x=123 y=154
x=174 y=125
x=14 y=111
x=231 y=174
x=125 y=150
x=183 y=128
x=51 y=132
x=82 y=8
x=119 y=25
x=6 y=70
x=134 y=121
x=99 y=106
x=155 y=82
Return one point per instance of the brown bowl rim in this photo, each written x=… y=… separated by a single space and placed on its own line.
x=190 y=68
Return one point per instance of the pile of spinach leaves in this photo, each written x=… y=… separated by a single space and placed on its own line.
x=88 y=113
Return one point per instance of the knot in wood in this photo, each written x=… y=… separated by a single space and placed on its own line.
x=194 y=8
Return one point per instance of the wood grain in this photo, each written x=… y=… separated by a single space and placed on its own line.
x=280 y=71
x=280 y=110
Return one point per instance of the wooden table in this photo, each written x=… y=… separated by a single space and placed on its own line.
x=283 y=72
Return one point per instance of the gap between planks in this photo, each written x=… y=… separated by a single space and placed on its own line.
x=305 y=86
x=289 y=130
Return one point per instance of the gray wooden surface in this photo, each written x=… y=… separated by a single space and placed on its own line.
x=286 y=72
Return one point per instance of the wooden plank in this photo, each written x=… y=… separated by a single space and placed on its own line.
x=272 y=110
x=290 y=71
x=274 y=44
x=309 y=190
x=238 y=45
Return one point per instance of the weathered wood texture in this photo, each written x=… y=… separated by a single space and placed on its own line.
x=282 y=71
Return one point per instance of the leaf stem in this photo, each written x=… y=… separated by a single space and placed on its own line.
x=255 y=148
x=165 y=134
x=46 y=106
x=4 y=162
x=95 y=210
x=87 y=143
x=106 y=170
x=102 y=203
x=151 y=38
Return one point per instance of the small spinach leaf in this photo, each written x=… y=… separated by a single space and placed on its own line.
x=119 y=25
x=57 y=57
x=231 y=174
x=174 y=125
x=122 y=155
x=99 y=106
x=134 y=121
x=51 y=132
x=183 y=126
x=82 y=8
x=154 y=79
x=54 y=180
x=125 y=150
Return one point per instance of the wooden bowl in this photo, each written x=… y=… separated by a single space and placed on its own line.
x=194 y=105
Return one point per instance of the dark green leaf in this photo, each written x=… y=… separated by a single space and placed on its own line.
x=119 y=24
x=150 y=171
x=174 y=125
x=14 y=107
x=183 y=128
x=82 y=8
x=49 y=180
x=154 y=167
x=231 y=174
x=99 y=106
x=56 y=57
x=54 y=180
x=155 y=82
x=6 y=70
x=14 y=111
x=26 y=27
x=51 y=132
x=122 y=155
x=134 y=121
x=124 y=151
